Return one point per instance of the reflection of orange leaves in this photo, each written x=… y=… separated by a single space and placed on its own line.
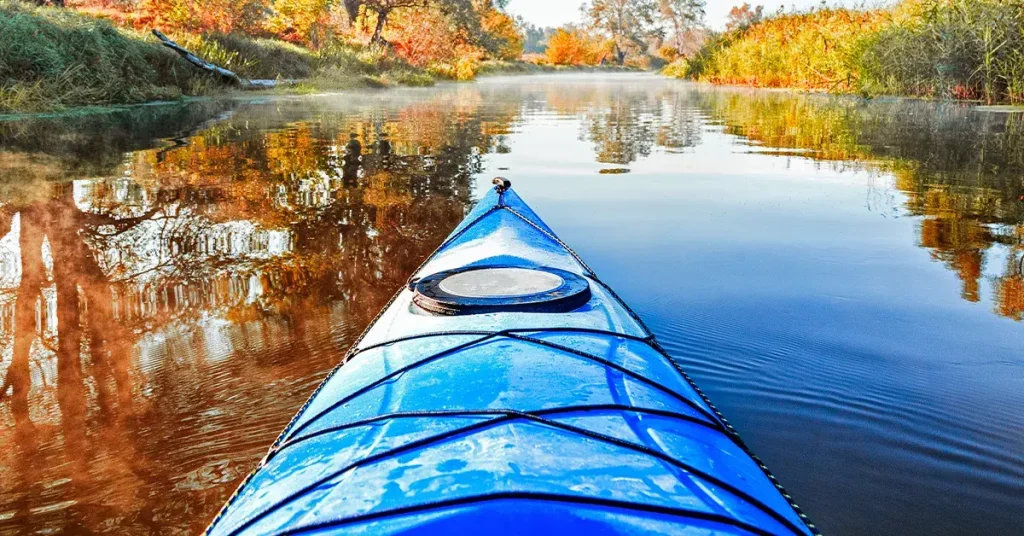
x=960 y=243
x=244 y=313
x=1010 y=297
x=954 y=234
x=33 y=172
x=382 y=192
x=968 y=267
x=296 y=151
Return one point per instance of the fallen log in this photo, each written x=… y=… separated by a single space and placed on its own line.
x=216 y=70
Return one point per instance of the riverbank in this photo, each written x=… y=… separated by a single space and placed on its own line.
x=60 y=59
x=55 y=59
x=503 y=68
x=923 y=48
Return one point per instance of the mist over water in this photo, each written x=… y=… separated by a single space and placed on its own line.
x=842 y=277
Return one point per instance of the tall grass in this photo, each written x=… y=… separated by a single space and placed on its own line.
x=962 y=49
x=805 y=50
x=250 y=57
x=969 y=49
x=52 y=58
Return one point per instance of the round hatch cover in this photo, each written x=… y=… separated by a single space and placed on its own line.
x=491 y=289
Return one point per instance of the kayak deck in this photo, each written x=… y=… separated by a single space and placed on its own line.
x=508 y=421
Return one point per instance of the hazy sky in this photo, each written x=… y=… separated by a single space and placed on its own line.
x=559 y=12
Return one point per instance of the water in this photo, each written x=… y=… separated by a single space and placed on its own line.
x=842 y=277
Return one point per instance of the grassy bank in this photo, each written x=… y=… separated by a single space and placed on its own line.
x=963 y=49
x=54 y=59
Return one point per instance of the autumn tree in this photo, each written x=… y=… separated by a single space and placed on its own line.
x=382 y=9
x=681 y=17
x=628 y=23
x=300 y=21
x=742 y=17
x=462 y=14
x=500 y=35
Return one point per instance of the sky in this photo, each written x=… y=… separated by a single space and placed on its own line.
x=559 y=12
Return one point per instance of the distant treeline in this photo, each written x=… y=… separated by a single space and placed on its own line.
x=962 y=49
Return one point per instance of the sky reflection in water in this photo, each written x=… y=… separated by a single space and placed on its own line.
x=841 y=276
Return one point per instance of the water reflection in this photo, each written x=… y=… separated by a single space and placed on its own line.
x=960 y=169
x=174 y=281
x=121 y=290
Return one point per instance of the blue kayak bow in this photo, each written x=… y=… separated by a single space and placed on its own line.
x=507 y=390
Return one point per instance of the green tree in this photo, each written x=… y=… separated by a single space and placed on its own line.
x=628 y=23
x=535 y=38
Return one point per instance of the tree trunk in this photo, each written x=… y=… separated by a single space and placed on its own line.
x=352 y=8
x=378 y=40
x=620 y=55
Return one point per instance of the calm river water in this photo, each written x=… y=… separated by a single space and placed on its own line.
x=842 y=277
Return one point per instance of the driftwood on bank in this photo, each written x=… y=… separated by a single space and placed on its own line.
x=216 y=70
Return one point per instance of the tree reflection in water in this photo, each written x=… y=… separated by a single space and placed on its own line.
x=959 y=168
x=274 y=244
x=167 y=305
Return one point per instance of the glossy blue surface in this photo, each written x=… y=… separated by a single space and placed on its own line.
x=507 y=423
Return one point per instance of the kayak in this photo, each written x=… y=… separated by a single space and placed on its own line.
x=508 y=390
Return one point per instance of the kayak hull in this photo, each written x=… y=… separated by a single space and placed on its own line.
x=498 y=418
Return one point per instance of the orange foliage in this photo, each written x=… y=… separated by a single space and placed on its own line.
x=574 y=47
x=223 y=16
x=1010 y=297
x=424 y=36
x=427 y=38
x=668 y=52
x=421 y=35
x=501 y=28
x=304 y=21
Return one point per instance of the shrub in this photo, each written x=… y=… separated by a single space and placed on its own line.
x=461 y=69
x=574 y=47
x=679 y=68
